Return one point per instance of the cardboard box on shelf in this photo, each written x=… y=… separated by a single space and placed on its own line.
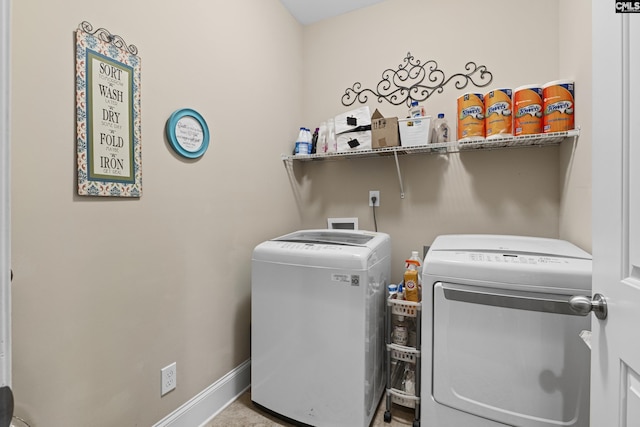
x=384 y=131
x=415 y=131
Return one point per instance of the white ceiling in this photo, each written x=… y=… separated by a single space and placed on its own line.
x=310 y=11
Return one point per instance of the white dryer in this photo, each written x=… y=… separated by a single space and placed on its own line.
x=317 y=325
x=501 y=345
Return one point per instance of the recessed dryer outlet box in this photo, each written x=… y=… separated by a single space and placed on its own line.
x=342 y=223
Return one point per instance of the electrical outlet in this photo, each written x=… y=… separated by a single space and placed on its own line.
x=168 y=378
x=372 y=194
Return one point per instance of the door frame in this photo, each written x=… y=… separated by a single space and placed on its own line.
x=5 y=194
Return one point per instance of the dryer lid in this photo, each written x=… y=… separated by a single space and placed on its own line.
x=508 y=244
x=511 y=262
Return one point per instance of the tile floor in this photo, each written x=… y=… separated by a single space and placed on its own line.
x=243 y=413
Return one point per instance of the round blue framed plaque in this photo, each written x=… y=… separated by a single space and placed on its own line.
x=188 y=133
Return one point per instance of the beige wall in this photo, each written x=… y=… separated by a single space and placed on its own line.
x=519 y=191
x=109 y=291
x=575 y=159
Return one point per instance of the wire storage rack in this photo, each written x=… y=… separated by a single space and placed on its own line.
x=403 y=357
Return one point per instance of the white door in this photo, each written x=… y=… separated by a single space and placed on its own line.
x=5 y=189
x=615 y=362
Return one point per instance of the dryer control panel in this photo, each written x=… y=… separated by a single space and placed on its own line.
x=512 y=258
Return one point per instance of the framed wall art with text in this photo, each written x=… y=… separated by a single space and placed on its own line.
x=108 y=124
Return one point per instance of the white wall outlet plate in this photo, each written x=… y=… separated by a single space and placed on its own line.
x=372 y=194
x=168 y=379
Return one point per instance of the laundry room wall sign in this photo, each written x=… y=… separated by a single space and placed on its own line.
x=108 y=122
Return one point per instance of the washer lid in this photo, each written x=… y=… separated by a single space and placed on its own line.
x=329 y=237
x=341 y=249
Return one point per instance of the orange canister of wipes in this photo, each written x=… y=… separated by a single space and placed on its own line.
x=470 y=117
x=527 y=110
x=558 y=102
x=497 y=113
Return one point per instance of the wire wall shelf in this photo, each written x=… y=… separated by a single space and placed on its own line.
x=536 y=140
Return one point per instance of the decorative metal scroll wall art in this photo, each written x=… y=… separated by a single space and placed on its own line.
x=414 y=81
x=108 y=125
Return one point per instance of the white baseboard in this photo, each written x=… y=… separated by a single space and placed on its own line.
x=212 y=400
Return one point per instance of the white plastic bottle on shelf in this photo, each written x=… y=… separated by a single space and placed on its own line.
x=441 y=130
x=302 y=146
x=393 y=291
x=322 y=138
x=416 y=110
x=332 y=141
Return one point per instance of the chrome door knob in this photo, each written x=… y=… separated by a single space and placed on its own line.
x=584 y=305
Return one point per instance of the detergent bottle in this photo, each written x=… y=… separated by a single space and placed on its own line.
x=441 y=130
x=411 y=291
x=416 y=110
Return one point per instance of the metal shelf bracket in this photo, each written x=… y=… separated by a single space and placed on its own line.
x=395 y=155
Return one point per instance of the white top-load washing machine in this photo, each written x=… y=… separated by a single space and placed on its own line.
x=501 y=345
x=317 y=325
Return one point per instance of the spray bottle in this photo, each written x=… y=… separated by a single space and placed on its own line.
x=416 y=257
